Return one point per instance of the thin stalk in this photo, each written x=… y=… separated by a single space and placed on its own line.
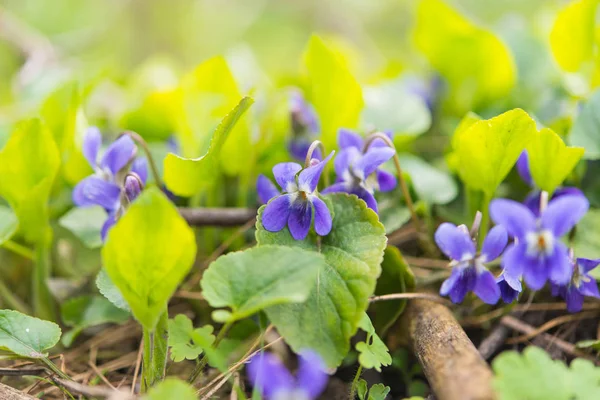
x=485 y=218
x=355 y=383
x=11 y=300
x=54 y=368
x=137 y=138
x=204 y=360
x=19 y=249
x=309 y=153
x=43 y=304
x=154 y=358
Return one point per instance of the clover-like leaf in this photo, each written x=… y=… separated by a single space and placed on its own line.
x=28 y=165
x=27 y=336
x=373 y=353
x=353 y=253
x=171 y=388
x=86 y=311
x=8 y=223
x=85 y=223
x=147 y=254
x=550 y=160
x=376 y=392
x=477 y=65
x=572 y=36
x=396 y=277
x=488 y=149
x=332 y=90
x=187 y=176
x=260 y=277
x=185 y=341
x=586 y=128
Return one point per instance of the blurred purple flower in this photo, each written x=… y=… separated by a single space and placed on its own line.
x=268 y=375
x=507 y=292
x=581 y=284
x=265 y=189
x=359 y=173
x=469 y=271
x=537 y=253
x=305 y=127
x=294 y=207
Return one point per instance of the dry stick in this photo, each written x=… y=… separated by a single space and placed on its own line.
x=138 y=363
x=101 y=375
x=198 y=216
x=565 y=346
x=22 y=371
x=450 y=361
x=426 y=262
x=88 y=391
x=551 y=324
x=407 y=296
x=8 y=393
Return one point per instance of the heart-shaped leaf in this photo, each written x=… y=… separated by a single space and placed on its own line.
x=147 y=254
x=353 y=253
x=27 y=336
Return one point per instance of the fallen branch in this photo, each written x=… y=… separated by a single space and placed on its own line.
x=8 y=393
x=450 y=361
x=88 y=391
x=217 y=216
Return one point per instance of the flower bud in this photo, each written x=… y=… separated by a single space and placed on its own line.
x=133 y=186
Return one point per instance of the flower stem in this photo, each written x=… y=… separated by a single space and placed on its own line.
x=204 y=360
x=19 y=249
x=355 y=383
x=309 y=156
x=485 y=218
x=43 y=304
x=137 y=138
x=155 y=353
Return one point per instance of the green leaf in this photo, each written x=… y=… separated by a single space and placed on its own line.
x=332 y=90
x=377 y=392
x=586 y=243
x=8 y=224
x=353 y=252
x=28 y=165
x=85 y=223
x=432 y=185
x=373 y=352
x=586 y=128
x=488 y=149
x=108 y=289
x=86 y=311
x=171 y=388
x=477 y=65
x=27 y=336
x=550 y=160
x=260 y=277
x=185 y=341
x=187 y=176
x=147 y=254
x=396 y=277
x=515 y=372
x=572 y=36
x=589 y=344
x=361 y=389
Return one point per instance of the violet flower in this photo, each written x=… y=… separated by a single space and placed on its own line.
x=537 y=253
x=359 y=173
x=305 y=126
x=265 y=189
x=581 y=284
x=268 y=375
x=107 y=187
x=295 y=206
x=469 y=271
x=507 y=292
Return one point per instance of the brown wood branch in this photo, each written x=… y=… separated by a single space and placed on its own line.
x=217 y=216
x=450 y=361
x=8 y=393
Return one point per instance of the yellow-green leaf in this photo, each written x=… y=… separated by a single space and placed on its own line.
x=187 y=176
x=550 y=160
x=572 y=36
x=476 y=63
x=332 y=90
x=28 y=165
x=147 y=254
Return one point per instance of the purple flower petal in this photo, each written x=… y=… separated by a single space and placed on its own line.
x=285 y=174
x=265 y=189
x=494 y=243
x=96 y=191
x=348 y=138
x=455 y=243
x=344 y=159
x=298 y=148
x=109 y=223
x=268 y=374
x=514 y=262
x=140 y=167
x=589 y=288
x=118 y=154
x=464 y=281
x=574 y=300
x=322 y=217
x=536 y=272
x=563 y=213
x=300 y=219
x=523 y=168
x=91 y=145
x=367 y=197
x=339 y=187
x=515 y=217
x=449 y=283
x=486 y=288
x=312 y=376
x=309 y=177
x=276 y=213
x=372 y=159
x=385 y=181
x=587 y=264
x=532 y=201
x=559 y=264
x=507 y=293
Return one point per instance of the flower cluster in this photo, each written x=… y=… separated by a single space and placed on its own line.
x=118 y=177
x=268 y=375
